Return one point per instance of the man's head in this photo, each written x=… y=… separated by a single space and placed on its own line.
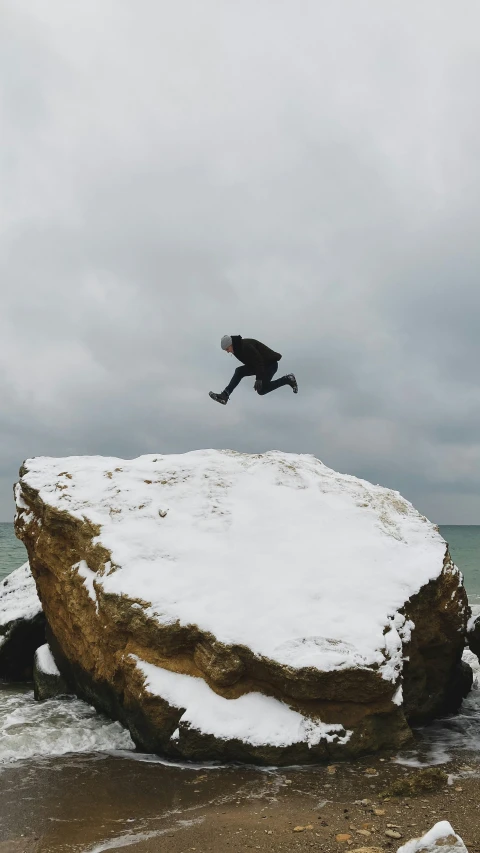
x=226 y=343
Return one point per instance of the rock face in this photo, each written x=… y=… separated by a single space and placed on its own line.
x=235 y=607
x=48 y=683
x=22 y=625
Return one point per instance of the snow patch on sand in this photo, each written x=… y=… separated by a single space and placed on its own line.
x=253 y=718
x=440 y=839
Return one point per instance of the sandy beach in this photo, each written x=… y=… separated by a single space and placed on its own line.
x=94 y=804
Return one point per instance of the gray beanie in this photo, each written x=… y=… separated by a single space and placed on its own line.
x=226 y=342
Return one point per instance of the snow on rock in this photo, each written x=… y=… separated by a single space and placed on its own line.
x=441 y=839
x=22 y=624
x=18 y=597
x=48 y=682
x=252 y=718
x=473 y=635
x=247 y=574
x=45 y=662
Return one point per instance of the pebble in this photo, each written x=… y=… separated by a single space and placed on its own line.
x=367 y=850
x=379 y=812
x=365 y=832
x=299 y=829
x=392 y=833
x=331 y=768
x=343 y=836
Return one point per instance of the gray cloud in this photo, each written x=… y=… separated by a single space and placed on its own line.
x=303 y=173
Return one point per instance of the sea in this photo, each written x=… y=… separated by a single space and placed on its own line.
x=71 y=779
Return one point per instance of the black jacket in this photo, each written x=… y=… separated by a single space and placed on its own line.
x=253 y=354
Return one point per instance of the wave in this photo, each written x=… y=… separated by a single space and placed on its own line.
x=54 y=727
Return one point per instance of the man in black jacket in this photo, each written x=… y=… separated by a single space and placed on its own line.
x=259 y=361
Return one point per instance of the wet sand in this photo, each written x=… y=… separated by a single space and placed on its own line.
x=96 y=803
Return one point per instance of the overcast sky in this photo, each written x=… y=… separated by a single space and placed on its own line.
x=306 y=172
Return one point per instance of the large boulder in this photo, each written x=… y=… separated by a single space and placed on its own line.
x=244 y=607
x=22 y=624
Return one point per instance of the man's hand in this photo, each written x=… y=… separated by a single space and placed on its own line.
x=258 y=386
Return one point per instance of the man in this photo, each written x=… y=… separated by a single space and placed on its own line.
x=259 y=361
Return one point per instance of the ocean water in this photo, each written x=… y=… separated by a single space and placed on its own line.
x=12 y=551
x=32 y=731
x=464 y=543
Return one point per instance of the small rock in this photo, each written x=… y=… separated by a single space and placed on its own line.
x=367 y=850
x=364 y=832
x=309 y=826
x=343 y=836
x=459 y=789
x=331 y=768
x=392 y=833
x=379 y=812
x=365 y=802
x=299 y=829
x=370 y=771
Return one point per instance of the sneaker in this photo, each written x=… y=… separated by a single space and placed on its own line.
x=222 y=398
x=293 y=382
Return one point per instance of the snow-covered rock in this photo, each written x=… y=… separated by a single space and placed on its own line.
x=441 y=839
x=473 y=635
x=260 y=607
x=47 y=679
x=22 y=624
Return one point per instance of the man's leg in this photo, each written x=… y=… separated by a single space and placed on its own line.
x=268 y=385
x=237 y=377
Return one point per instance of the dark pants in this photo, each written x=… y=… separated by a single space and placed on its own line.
x=268 y=373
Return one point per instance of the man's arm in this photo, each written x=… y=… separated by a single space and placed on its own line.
x=253 y=357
